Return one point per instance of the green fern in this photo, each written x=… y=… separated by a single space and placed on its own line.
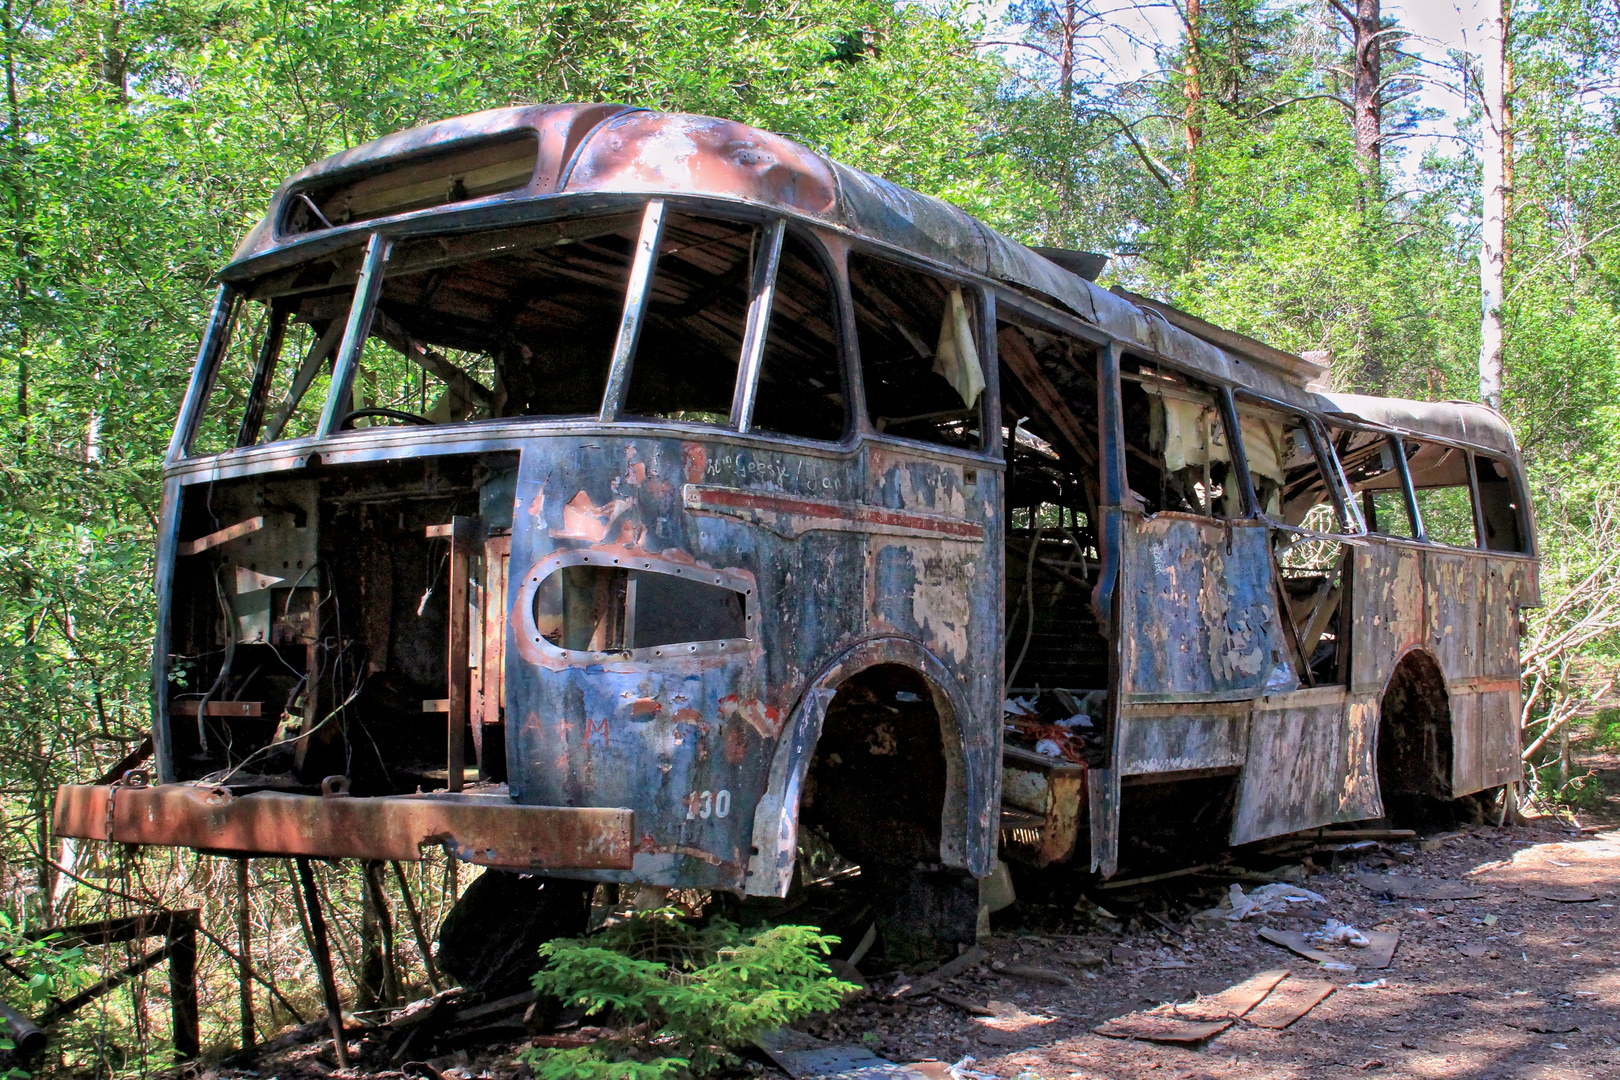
x=682 y=997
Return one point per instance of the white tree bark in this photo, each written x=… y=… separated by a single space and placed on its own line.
x=1493 y=233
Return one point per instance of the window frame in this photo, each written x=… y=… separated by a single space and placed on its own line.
x=1338 y=487
x=1401 y=439
x=533 y=641
x=983 y=303
x=760 y=312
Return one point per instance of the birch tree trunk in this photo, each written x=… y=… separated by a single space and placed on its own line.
x=1493 y=231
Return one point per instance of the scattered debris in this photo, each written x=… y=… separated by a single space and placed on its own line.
x=1008 y=1025
x=1407 y=888
x=1337 y=933
x=1479 y=952
x=1038 y=974
x=1300 y=945
x=1563 y=896
x=1236 y=906
x=964 y=1004
x=1372 y=984
x=972 y=958
x=1381 y=949
x=804 y=1056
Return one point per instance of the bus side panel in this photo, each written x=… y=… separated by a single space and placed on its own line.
x=1309 y=763
x=1456 y=585
x=1201 y=617
x=684 y=741
x=945 y=591
x=1488 y=724
x=1468 y=606
x=1387 y=602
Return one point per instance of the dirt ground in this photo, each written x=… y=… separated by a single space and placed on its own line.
x=1508 y=984
x=1542 y=1001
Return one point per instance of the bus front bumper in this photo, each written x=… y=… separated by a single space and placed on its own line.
x=487 y=830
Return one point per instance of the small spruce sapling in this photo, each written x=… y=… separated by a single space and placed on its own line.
x=681 y=997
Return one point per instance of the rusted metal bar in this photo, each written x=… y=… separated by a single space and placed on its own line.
x=760 y=292
x=191 y=706
x=1420 y=531
x=487 y=830
x=264 y=372
x=422 y=942
x=642 y=269
x=112 y=931
x=182 y=945
x=462 y=532
x=221 y=536
x=492 y=661
x=111 y=982
x=127 y=762
x=323 y=962
x=312 y=701
x=244 y=946
x=1235 y=447
x=366 y=288
x=377 y=900
x=215 y=338
x=26 y=1035
x=179 y=928
x=319 y=350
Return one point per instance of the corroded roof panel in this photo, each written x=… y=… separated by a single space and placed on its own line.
x=1465 y=422
x=592 y=148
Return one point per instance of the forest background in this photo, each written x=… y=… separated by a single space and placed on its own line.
x=1257 y=164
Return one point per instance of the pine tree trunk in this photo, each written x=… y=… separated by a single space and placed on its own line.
x=1367 y=96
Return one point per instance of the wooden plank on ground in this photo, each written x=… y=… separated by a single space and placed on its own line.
x=1382 y=950
x=1195 y=1021
x=1405 y=888
x=1296 y=943
x=1288 y=1002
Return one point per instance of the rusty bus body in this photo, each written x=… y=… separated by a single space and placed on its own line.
x=756 y=491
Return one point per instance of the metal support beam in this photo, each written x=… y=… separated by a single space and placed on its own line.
x=636 y=296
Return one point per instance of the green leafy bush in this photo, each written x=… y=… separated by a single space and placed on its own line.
x=681 y=996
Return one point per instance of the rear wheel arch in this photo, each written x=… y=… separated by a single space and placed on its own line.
x=1413 y=749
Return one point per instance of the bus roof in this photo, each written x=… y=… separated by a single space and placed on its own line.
x=583 y=149
x=1465 y=422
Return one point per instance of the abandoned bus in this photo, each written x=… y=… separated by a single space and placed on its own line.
x=643 y=498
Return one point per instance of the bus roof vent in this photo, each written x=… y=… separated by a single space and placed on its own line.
x=466 y=170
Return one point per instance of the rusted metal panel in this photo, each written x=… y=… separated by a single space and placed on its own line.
x=1310 y=762
x=690 y=740
x=1200 y=619
x=489 y=831
x=1454 y=586
x=1455 y=421
x=1172 y=738
x=1054 y=790
x=1389 y=596
x=945 y=591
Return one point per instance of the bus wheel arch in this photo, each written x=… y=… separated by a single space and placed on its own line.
x=875 y=754
x=1413 y=748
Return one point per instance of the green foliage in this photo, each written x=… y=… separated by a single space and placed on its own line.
x=47 y=971
x=682 y=996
